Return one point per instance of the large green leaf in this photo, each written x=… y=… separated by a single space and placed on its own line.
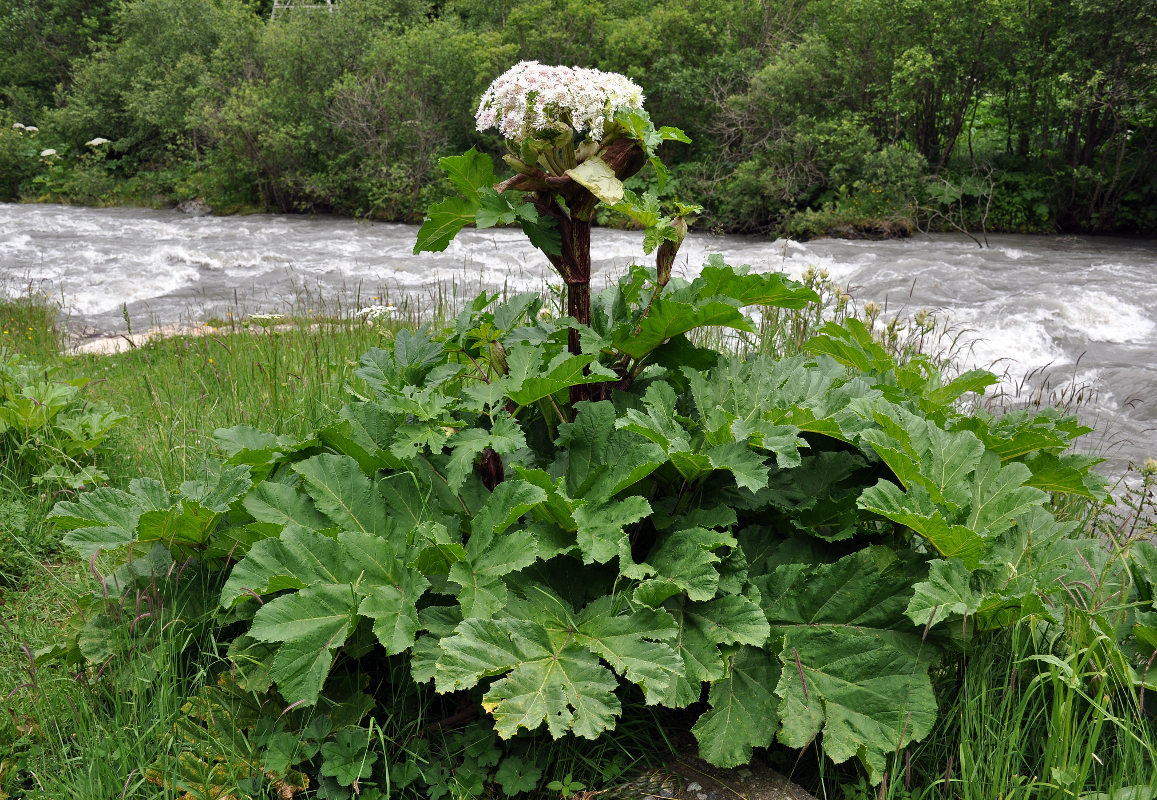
x=349 y=438
x=334 y=581
x=768 y=402
x=557 y=683
x=601 y=459
x=947 y=592
x=920 y=453
x=1070 y=473
x=634 y=644
x=549 y=657
x=698 y=647
x=743 y=712
x=999 y=495
x=184 y=526
x=489 y=556
x=851 y=344
x=469 y=172
x=668 y=318
x=867 y=697
x=443 y=222
x=687 y=559
x=342 y=492
x=984 y=505
x=216 y=486
x=1019 y=432
x=394 y=609
x=509 y=501
x=916 y=510
x=106 y=519
x=717 y=279
x=411 y=359
x=532 y=377
x=694 y=456
x=601 y=527
x=281 y=504
x=854 y=666
x=504 y=437
x=310 y=625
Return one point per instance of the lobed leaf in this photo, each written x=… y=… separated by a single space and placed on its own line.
x=342 y=492
x=743 y=713
x=867 y=697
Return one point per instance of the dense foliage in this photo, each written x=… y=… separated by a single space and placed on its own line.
x=799 y=542
x=857 y=117
x=49 y=432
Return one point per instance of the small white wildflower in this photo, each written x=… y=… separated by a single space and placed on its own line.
x=19 y=126
x=267 y=320
x=97 y=142
x=530 y=98
x=373 y=313
x=31 y=129
x=49 y=153
x=544 y=314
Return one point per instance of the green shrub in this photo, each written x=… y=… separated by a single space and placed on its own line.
x=49 y=434
x=19 y=156
x=465 y=523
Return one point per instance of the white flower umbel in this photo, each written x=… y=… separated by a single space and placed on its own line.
x=372 y=314
x=531 y=99
x=31 y=129
x=49 y=153
x=97 y=142
x=20 y=126
x=267 y=320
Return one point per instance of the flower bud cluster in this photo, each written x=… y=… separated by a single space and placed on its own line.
x=531 y=98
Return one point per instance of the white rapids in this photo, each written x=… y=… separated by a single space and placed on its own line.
x=1069 y=311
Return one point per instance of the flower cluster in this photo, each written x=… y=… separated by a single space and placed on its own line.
x=266 y=321
x=97 y=142
x=531 y=98
x=20 y=126
x=373 y=314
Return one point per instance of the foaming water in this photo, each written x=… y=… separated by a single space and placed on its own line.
x=1080 y=311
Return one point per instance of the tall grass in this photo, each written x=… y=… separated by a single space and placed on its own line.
x=1050 y=708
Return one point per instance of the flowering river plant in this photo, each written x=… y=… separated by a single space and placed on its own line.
x=574 y=135
x=533 y=523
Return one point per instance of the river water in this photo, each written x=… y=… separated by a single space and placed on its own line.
x=1076 y=313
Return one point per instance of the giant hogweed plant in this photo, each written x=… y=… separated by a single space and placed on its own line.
x=549 y=518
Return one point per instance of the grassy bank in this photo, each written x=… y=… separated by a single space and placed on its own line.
x=1043 y=710
x=67 y=737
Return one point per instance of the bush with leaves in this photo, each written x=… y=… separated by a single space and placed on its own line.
x=543 y=520
x=49 y=433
